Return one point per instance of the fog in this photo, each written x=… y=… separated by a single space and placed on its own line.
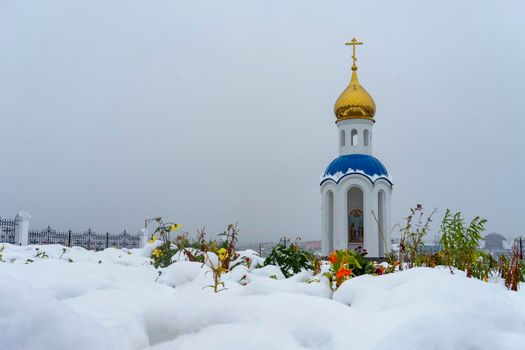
x=214 y=112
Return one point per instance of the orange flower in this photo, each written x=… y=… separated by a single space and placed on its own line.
x=332 y=257
x=343 y=271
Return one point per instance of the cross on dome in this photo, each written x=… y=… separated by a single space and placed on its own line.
x=354 y=102
x=353 y=43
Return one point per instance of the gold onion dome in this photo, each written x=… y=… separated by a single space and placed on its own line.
x=354 y=102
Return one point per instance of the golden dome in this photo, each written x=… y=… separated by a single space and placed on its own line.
x=354 y=102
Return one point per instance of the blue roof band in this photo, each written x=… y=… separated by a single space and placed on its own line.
x=363 y=164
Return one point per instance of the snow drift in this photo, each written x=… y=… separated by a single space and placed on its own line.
x=114 y=299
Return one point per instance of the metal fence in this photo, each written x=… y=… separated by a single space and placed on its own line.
x=88 y=239
x=265 y=248
x=7 y=230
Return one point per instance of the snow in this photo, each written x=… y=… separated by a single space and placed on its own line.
x=182 y=272
x=338 y=175
x=444 y=311
x=269 y=271
x=115 y=299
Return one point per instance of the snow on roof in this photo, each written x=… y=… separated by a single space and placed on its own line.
x=361 y=164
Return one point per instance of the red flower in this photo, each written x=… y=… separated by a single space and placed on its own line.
x=379 y=271
x=332 y=257
x=343 y=271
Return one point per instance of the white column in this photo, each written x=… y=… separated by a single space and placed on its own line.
x=144 y=237
x=340 y=219
x=372 y=235
x=324 y=226
x=388 y=222
x=22 y=228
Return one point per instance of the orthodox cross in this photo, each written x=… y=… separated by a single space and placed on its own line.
x=353 y=43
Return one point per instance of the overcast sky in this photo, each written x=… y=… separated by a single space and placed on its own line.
x=213 y=112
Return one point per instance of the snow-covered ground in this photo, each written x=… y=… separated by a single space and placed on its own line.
x=113 y=300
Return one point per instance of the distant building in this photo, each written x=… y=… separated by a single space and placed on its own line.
x=430 y=248
x=494 y=244
x=425 y=248
x=312 y=245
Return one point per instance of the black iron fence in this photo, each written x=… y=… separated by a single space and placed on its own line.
x=88 y=239
x=7 y=230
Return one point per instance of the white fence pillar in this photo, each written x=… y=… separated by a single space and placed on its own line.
x=22 y=228
x=144 y=237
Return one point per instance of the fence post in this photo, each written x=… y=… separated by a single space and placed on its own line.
x=69 y=238
x=22 y=228
x=144 y=237
x=107 y=239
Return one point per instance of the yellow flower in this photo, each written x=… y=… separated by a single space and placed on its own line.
x=174 y=227
x=157 y=253
x=223 y=254
x=153 y=239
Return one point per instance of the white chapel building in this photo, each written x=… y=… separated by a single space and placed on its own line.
x=356 y=188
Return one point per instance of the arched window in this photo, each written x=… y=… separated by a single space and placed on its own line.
x=342 y=140
x=356 y=228
x=365 y=136
x=353 y=137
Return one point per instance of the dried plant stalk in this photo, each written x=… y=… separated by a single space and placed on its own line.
x=512 y=277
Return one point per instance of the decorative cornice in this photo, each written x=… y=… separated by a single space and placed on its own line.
x=337 y=177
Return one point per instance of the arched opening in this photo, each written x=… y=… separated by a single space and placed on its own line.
x=365 y=137
x=355 y=214
x=381 y=202
x=353 y=136
x=342 y=140
x=330 y=221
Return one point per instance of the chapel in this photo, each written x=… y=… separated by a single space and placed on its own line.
x=356 y=188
